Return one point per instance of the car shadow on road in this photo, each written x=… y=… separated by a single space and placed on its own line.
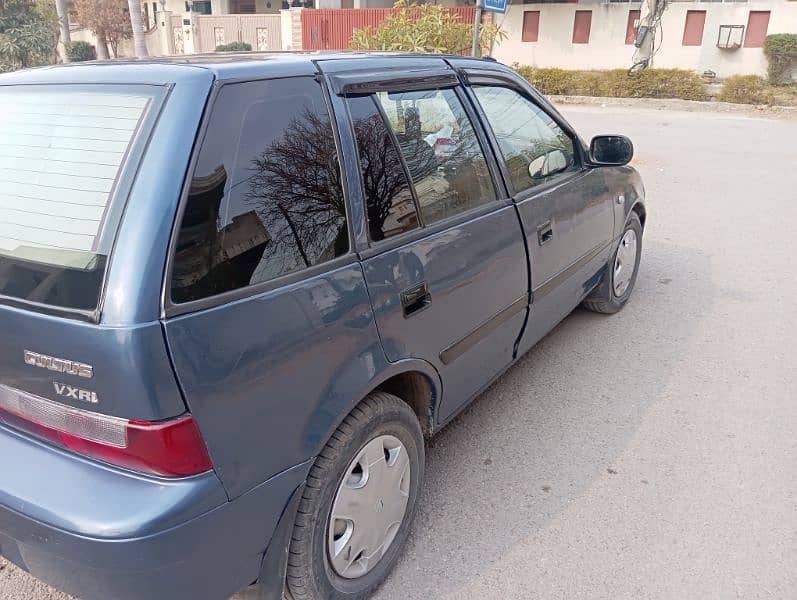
x=546 y=430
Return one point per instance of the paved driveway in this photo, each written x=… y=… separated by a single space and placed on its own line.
x=652 y=454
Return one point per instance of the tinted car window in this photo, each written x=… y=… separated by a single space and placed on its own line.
x=442 y=153
x=388 y=197
x=265 y=197
x=63 y=149
x=534 y=147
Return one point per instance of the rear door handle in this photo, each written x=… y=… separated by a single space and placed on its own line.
x=415 y=299
x=544 y=233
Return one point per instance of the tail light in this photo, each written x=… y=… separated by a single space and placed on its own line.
x=171 y=448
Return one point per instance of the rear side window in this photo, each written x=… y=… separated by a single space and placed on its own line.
x=63 y=151
x=265 y=198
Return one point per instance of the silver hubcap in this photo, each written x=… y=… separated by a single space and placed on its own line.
x=369 y=507
x=624 y=263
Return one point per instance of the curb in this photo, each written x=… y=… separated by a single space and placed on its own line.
x=789 y=112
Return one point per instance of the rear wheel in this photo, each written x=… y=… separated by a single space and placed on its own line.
x=611 y=296
x=358 y=503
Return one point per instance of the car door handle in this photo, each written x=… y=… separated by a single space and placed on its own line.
x=415 y=299
x=544 y=233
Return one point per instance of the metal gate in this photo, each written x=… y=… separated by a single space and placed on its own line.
x=261 y=31
x=332 y=28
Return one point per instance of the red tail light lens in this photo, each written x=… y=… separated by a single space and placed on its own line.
x=172 y=448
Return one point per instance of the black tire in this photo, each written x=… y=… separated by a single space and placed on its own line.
x=310 y=575
x=603 y=299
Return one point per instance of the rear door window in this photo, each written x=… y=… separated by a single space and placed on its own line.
x=441 y=150
x=266 y=197
x=63 y=152
x=388 y=196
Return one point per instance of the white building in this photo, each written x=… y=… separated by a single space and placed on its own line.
x=724 y=37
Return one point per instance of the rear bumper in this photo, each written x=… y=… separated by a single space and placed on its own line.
x=98 y=533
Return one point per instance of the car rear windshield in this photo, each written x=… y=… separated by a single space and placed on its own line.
x=63 y=155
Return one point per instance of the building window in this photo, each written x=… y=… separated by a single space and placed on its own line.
x=631 y=26
x=757 y=24
x=531 y=26
x=581 y=26
x=202 y=7
x=693 y=28
x=243 y=7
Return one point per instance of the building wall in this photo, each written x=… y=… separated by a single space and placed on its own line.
x=607 y=49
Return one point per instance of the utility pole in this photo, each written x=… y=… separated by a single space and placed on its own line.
x=477 y=23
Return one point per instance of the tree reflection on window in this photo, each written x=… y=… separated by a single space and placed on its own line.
x=295 y=189
x=388 y=198
x=266 y=199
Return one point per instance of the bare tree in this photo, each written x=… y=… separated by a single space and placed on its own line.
x=296 y=190
x=137 y=24
x=108 y=20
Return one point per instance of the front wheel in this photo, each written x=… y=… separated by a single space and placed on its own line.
x=623 y=267
x=358 y=503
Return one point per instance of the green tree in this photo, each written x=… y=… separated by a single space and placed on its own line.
x=28 y=36
x=781 y=52
x=425 y=28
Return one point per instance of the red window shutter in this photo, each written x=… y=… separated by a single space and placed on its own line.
x=757 y=24
x=581 y=26
x=630 y=30
x=693 y=29
x=531 y=25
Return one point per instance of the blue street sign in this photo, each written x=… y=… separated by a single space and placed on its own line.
x=498 y=6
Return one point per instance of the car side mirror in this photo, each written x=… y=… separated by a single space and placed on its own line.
x=610 y=150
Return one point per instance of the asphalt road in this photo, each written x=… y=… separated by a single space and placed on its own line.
x=650 y=454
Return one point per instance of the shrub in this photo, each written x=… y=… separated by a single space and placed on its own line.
x=424 y=27
x=234 y=47
x=80 y=52
x=655 y=83
x=744 y=89
x=551 y=81
x=781 y=52
x=28 y=34
x=648 y=83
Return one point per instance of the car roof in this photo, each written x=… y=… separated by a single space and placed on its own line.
x=221 y=66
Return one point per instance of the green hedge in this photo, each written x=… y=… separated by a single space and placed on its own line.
x=617 y=83
x=752 y=89
x=781 y=52
x=234 y=47
x=744 y=89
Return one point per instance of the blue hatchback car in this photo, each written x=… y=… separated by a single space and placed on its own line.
x=237 y=292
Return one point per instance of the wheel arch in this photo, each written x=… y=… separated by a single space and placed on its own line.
x=413 y=380
x=641 y=211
